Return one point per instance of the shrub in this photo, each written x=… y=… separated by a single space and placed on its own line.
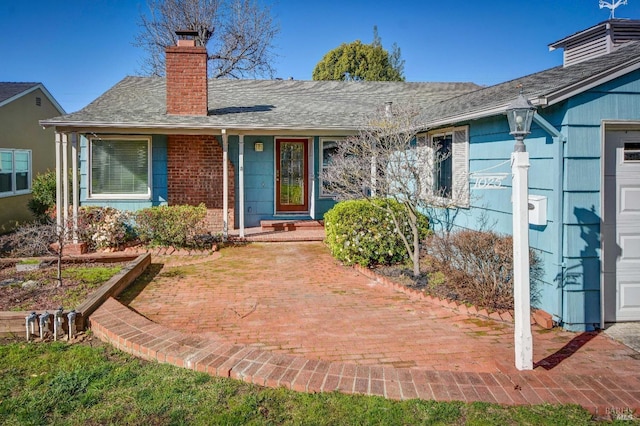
x=43 y=190
x=104 y=227
x=479 y=264
x=362 y=232
x=29 y=240
x=177 y=226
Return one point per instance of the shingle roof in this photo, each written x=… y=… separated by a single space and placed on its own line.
x=543 y=88
x=139 y=102
x=9 y=90
x=256 y=104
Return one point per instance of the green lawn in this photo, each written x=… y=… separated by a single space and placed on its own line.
x=56 y=383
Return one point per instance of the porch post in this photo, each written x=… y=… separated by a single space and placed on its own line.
x=58 y=182
x=65 y=180
x=241 y=184
x=225 y=185
x=74 y=177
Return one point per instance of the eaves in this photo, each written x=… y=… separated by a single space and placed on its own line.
x=543 y=100
x=164 y=128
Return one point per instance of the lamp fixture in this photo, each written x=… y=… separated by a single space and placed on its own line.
x=520 y=115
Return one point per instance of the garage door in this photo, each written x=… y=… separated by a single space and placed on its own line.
x=622 y=238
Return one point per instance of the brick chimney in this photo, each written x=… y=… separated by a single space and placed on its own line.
x=186 y=73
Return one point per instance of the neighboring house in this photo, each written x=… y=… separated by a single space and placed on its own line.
x=25 y=148
x=253 y=150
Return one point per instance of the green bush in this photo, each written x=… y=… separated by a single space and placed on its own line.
x=176 y=226
x=363 y=232
x=43 y=191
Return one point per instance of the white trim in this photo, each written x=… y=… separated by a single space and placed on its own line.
x=225 y=184
x=197 y=129
x=14 y=192
x=108 y=196
x=312 y=178
x=65 y=177
x=321 y=193
x=75 y=192
x=241 y=183
x=459 y=163
x=607 y=126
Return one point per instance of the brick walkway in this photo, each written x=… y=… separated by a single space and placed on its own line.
x=286 y=314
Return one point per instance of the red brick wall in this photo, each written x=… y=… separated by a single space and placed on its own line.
x=194 y=176
x=186 y=72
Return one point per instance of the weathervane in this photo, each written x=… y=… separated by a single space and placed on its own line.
x=613 y=5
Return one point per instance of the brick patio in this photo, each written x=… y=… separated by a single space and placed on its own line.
x=287 y=314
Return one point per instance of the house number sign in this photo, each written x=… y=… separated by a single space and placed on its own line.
x=488 y=180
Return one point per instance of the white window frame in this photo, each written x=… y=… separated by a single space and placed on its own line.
x=14 y=191
x=110 y=196
x=459 y=166
x=323 y=140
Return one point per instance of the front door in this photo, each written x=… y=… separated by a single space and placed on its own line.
x=292 y=187
x=622 y=238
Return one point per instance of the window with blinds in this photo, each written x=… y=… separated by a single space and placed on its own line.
x=120 y=168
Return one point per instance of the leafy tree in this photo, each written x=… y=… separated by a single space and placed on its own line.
x=238 y=34
x=387 y=160
x=359 y=61
x=43 y=199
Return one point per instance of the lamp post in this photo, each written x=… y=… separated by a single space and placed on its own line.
x=520 y=114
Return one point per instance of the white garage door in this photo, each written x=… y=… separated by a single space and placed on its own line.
x=622 y=202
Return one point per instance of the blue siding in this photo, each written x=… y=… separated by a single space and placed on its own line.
x=259 y=179
x=570 y=242
x=158 y=180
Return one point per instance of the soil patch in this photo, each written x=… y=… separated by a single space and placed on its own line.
x=444 y=284
x=434 y=285
x=38 y=288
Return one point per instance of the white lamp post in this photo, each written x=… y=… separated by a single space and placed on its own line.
x=520 y=114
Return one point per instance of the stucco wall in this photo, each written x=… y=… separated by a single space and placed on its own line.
x=19 y=129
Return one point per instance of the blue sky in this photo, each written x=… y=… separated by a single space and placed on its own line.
x=80 y=48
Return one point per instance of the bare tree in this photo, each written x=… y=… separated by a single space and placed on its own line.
x=237 y=33
x=390 y=159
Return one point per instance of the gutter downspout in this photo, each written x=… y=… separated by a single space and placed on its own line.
x=559 y=139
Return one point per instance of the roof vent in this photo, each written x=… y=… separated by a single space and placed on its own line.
x=606 y=37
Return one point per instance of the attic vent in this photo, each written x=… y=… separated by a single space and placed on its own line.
x=598 y=40
x=38 y=101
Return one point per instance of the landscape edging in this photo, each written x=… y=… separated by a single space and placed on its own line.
x=13 y=322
